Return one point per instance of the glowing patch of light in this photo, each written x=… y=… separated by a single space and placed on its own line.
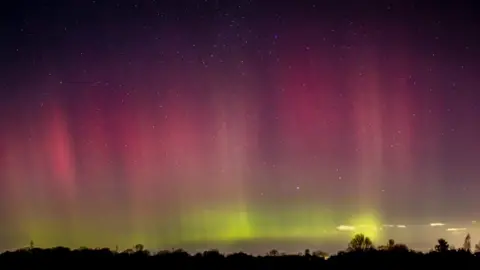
x=366 y=225
x=437 y=224
x=401 y=226
x=388 y=226
x=345 y=228
x=456 y=229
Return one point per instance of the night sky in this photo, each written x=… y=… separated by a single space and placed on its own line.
x=236 y=124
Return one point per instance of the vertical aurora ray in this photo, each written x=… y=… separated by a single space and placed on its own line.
x=401 y=127
x=367 y=115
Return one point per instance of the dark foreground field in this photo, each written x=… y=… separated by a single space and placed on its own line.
x=360 y=254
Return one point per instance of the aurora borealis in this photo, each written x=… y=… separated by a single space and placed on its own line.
x=227 y=121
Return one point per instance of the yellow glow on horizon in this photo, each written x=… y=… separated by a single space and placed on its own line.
x=367 y=225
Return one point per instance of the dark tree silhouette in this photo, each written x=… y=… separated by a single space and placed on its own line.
x=138 y=248
x=360 y=243
x=477 y=247
x=213 y=253
x=273 y=253
x=391 y=244
x=400 y=247
x=442 y=246
x=467 y=245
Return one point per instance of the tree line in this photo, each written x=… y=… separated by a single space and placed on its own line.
x=360 y=252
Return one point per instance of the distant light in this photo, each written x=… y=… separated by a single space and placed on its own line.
x=436 y=224
x=345 y=228
x=456 y=229
x=388 y=225
x=474 y=221
x=401 y=226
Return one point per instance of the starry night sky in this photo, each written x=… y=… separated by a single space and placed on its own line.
x=194 y=122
